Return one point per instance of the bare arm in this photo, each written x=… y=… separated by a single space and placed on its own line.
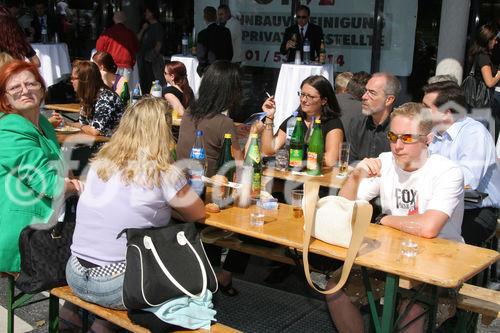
x=332 y=143
x=431 y=222
x=175 y=103
x=187 y=206
x=271 y=143
x=369 y=167
x=488 y=77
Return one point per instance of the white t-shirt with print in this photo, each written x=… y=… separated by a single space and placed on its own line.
x=437 y=185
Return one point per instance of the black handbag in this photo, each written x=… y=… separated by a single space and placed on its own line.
x=44 y=254
x=45 y=250
x=477 y=94
x=165 y=263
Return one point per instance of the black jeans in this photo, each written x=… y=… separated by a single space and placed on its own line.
x=479 y=224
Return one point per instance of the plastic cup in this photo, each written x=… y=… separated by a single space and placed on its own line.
x=409 y=241
x=344 y=158
x=297 y=196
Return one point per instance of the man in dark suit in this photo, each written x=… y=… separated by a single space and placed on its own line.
x=41 y=19
x=296 y=34
x=214 y=42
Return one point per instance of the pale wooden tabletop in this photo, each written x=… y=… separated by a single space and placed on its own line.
x=328 y=178
x=69 y=107
x=439 y=262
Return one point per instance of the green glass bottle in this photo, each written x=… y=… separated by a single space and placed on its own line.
x=125 y=95
x=315 y=150
x=226 y=157
x=253 y=160
x=296 y=146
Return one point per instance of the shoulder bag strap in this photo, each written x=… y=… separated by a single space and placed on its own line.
x=362 y=220
x=182 y=240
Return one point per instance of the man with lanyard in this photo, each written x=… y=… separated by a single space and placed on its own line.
x=468 y=143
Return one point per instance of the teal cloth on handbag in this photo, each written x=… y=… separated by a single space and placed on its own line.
x=191 y=313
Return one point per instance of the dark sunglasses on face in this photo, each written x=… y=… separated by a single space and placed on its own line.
x=405 y=138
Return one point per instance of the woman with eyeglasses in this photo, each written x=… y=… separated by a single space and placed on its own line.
x=32 y=172
x=318 y=101
x=178 y=93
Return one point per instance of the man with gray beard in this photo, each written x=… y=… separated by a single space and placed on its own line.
x=367 y=132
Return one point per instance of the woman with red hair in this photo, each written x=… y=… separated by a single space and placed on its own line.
x=32 y=176
x=178 y=93
x=12 y=39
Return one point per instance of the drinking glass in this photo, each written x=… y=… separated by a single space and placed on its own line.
x=343 y=159
x=297 y=196
x=409 y=243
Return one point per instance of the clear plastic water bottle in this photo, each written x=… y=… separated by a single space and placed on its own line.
x=185 y=43
x=156 y=89
x=136 y=93
x=306 y=48
x=290 y=125
x=198 y=170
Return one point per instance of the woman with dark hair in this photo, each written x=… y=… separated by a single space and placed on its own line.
x=318 y=101
x=32 y=176
x=480 y=56
x=12 y=39
x=220 y=91
x=107 y=67
x=178 y=94
x=101 y=108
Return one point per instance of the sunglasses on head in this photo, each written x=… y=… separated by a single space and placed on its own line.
x=405 y=138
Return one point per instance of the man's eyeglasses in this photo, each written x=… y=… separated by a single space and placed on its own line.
x=306 y=96
x=301 y=17
x=405 y=138
x=17 y=90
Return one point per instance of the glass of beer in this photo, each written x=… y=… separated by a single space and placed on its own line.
x=297 y=196
x=343 y=159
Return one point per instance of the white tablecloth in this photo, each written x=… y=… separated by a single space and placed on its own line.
x=289 y=80
x=191 y=64
x=54 y=59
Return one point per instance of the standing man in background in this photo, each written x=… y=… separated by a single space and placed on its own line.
x=149 y=58
x=214 y=42
x=121 y=43
x=43 y=19
x=296 y=34
x=234 y=26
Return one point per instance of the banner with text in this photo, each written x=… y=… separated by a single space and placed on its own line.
x=347 y=27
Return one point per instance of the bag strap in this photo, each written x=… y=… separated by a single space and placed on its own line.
x=182 y=240
x=363 y=213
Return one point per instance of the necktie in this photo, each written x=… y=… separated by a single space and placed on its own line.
x=302 y=33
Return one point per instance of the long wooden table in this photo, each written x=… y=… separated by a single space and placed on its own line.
x=328 y=178
x=68 y=107
x=440 y=262
x=80 y=138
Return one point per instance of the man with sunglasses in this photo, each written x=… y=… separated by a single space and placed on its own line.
x=367 y=131
x=413 y=187
x=296 y=34
x=468 y=143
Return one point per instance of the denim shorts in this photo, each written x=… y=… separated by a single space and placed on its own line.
x=102 y=290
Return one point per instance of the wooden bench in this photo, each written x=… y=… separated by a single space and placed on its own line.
x=481 y=301
x=117 y=317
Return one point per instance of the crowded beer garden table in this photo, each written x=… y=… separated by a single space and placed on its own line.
x=439 y=263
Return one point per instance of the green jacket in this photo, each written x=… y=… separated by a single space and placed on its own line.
x=31 y=179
